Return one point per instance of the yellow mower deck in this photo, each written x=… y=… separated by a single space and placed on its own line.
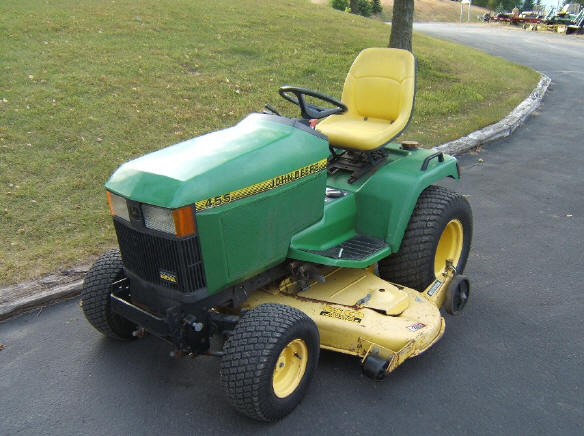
x=358 y=313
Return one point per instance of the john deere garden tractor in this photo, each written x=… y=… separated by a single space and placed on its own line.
x=272 y=239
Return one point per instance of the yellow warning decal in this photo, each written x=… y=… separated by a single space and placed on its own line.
x=168 y=276
x=258 y=188
x=343 y=314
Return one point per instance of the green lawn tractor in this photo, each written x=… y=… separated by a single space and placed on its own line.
x=272 y=239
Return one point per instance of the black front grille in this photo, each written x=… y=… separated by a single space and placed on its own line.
x=152 y=255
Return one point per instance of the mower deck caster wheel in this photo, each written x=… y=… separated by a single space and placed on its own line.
x=375 y=367
x=457 y=295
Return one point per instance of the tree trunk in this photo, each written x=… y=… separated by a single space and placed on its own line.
x=402 y=24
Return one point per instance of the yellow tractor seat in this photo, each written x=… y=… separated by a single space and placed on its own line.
x=379 y=93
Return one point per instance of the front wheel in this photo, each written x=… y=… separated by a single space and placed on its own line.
x=98 y=285
x=269 y=361
x=440 y=228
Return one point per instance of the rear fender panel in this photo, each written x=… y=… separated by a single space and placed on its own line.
x=386 y=199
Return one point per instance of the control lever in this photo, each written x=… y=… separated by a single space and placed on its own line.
x=269 y=109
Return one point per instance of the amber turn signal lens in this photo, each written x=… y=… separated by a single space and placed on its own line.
x=109 y=202
x=184 y=221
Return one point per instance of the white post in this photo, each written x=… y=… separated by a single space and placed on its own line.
x=462 y=3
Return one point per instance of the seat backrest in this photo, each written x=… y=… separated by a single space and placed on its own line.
x=381 y=84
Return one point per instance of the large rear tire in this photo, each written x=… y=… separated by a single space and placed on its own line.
x=95 y=297
x=440 y=228
x=269 y=361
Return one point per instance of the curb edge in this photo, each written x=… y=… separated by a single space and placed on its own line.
x=44 y=298
x=502 y=128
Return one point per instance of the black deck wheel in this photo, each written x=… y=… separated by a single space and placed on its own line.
x=269 y=361
x=440 y=228
x=95 y=297
x=375 y=367
x=457 y=295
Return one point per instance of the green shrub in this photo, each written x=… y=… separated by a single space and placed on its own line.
x=376 y=7
x=341 y=5
x=365 y=8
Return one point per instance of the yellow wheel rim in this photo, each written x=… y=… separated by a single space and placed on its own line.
x=290 y=368
x=449 y=246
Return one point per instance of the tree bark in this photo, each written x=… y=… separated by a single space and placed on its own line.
x=402 y=24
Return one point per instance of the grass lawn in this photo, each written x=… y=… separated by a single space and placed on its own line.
x=88 y=84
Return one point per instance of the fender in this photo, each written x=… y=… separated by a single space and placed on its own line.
x=387 y=199
x=378 y=205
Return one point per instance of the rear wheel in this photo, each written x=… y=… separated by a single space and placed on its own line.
x=440 y=228
x=269 y=361
x=98 y=285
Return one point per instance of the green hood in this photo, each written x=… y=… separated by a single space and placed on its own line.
x=256 y=149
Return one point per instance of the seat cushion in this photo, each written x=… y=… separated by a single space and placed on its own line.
x=377 y=97
x=349 y=131
x=379 y=93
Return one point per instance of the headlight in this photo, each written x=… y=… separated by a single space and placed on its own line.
x=118 y=206
x=158 y=218
x=179 y=222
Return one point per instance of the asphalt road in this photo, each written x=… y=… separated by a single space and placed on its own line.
x=510 y=364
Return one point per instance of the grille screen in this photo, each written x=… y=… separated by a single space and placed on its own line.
x=163 y=260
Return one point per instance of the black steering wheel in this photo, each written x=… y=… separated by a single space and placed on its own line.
x=295 y=95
